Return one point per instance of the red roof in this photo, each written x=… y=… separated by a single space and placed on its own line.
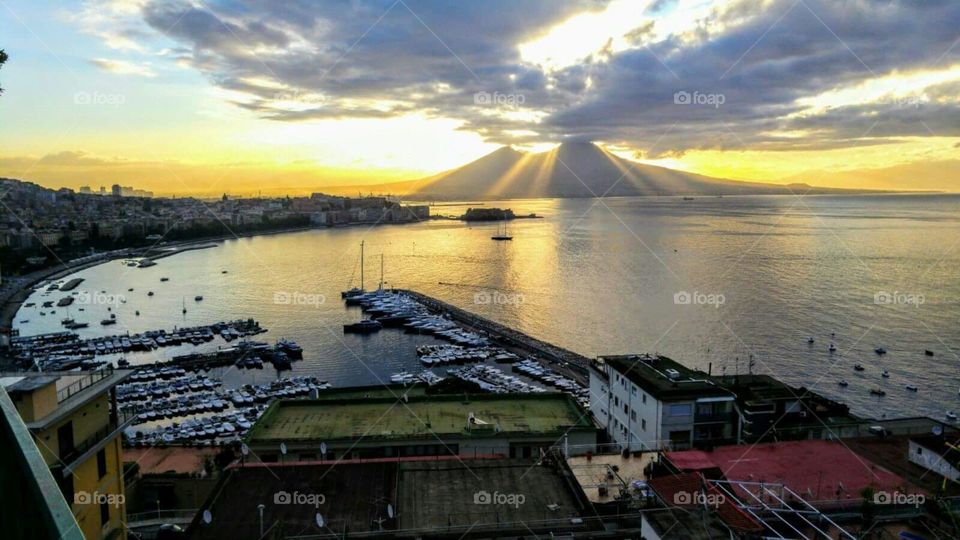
x=678 y=490
x=816 y=470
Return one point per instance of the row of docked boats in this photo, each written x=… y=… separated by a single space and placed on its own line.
x=69 y=345
x=222 y=429
x=492 y=379
x=391 y=309
x=159 y=389
x=406 y=378
x=441 y=355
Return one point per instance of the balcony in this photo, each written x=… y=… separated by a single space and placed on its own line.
x=87 y=381
x=713 y=418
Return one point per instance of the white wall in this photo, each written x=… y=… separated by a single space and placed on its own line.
x=929 y=459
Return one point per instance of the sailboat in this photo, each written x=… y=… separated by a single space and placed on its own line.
x=355 y=291
x=502 y=233
x=184 y=302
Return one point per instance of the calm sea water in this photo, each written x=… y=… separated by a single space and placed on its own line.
x=612 y=276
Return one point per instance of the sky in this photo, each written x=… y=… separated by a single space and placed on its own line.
x=274 y=96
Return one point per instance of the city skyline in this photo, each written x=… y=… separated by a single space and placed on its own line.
x=213 y=97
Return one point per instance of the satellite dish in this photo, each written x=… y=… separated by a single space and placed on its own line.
x=283 y=448
x=320 y=521
x=938 y=430
x=244 y=449
x=323 y=448
x=207 y=517
x=390 y=511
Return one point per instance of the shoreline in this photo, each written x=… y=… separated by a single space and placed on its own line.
x=11 y=300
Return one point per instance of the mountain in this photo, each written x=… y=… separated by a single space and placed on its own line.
x=579 y=169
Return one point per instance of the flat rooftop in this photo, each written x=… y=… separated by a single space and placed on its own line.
x=819 y=471
x=437 y=494
x=419 y=417
x=74 y=389
x=476 y=494
x=591 y=473
x=650 y=373
x=346 y=495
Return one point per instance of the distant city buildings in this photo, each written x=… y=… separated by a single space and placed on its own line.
x=46 y=218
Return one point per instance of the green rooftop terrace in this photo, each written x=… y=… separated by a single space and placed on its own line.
x=420 y=417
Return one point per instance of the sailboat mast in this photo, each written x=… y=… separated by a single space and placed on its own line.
x=381 y=271
x=361 y=265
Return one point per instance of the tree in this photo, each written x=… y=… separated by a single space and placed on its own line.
x=3 y=58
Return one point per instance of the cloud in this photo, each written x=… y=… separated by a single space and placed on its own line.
x=122 y=67
x=300 y=60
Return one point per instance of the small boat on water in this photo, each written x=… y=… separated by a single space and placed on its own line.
x=832 y=348
x=123 y=362
x=843 y=383
x=911 y=388
x=502 y=233
x=810 y=339
x=150 y=293
x=878 y=392
x=197 y=298
x=164 y=279
x=885 y=374
x=951 y=417
x=108 y=322
x=858 y=367
x=880 y=350
x=928 y=352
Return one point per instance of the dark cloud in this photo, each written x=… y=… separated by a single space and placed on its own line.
x=386 y=57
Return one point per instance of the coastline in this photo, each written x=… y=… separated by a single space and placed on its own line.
x=10 y=301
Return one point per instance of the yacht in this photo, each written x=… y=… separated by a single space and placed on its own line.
x=885 y=374
x=365 y=326
x=832 y=348
x=911 y=388
x=197 y=298
x=356 y=291
x=951 y=417
x=878 y=392
x=810 y=339
x=107 y=322
x=843 y=383
x=880 y=350
x=928 y=352
x=502 y=234
x=858 y=367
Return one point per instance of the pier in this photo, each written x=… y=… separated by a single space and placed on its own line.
x=572 y=364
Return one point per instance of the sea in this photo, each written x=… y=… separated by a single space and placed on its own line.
x=723 y=284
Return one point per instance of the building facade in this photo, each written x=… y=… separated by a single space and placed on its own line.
x=72 y=419
x=647 y=402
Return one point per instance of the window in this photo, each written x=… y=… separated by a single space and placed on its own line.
x=625 y=410
x=919 y=451
x=644 y=397
x=616 y=401
x=633 y=390
x=643 y=424
x=633 y=415
x=101 y=463
x=104 y=514
x=680 y=410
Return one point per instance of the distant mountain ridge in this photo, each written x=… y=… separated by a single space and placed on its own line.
x=580 y=169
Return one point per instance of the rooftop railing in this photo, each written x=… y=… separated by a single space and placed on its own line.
x=87 y=381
